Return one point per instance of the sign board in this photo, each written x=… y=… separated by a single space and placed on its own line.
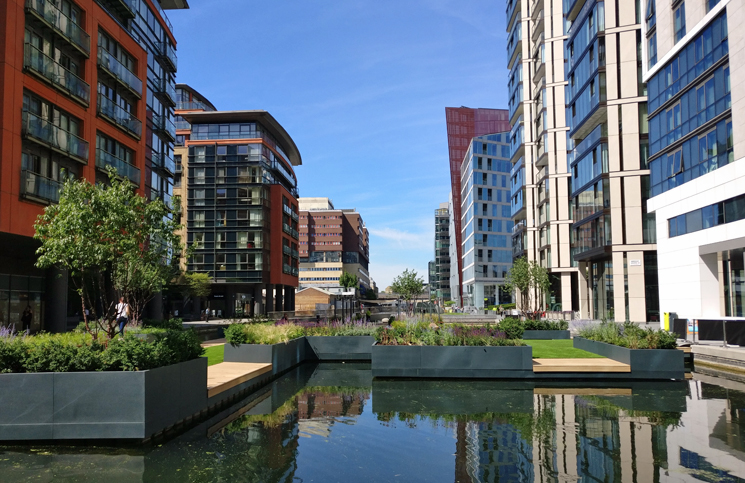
x=635 y=263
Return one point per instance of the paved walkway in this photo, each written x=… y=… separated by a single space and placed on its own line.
x=226 y=375
x=579 y=365
x=213 y=342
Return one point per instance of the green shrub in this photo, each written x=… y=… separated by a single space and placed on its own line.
x=546 y=325
x=398 y=324
x=512 y=328
x=68 y=352
x=168 y=324
x=235 y=335
x=444 y=335
x=629 y=335
x=11 y=355
x=262 y=333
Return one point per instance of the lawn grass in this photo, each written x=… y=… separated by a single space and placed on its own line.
x=214 y=354
x=558 y=349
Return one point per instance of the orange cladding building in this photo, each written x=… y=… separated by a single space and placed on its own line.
x=84 y=85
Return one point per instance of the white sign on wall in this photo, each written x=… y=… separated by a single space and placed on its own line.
x=635 y=263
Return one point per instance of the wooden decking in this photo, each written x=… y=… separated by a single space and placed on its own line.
x=579 y=365
x=226 y=375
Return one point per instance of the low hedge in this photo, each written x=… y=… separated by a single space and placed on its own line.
x=425 y=333
x=514 y=328
x=285 y=331
x=75 y=352
x=629 y=335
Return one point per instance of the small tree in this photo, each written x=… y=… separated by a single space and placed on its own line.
x=192 y=286
x=530 y=284
x=408 y=286
x=111 y=241
x=347 y=280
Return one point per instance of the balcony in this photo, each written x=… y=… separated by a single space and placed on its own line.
x=166 y=55
x=514 y=46
x=118 y=72
x=535 y=9
x=519 y=226
x=105 y=159
x=279 y=167
x=286 y=250
x=122 y=118
x=192 y=106
x=513 y=10
x=165 y=197
x=61 y=24
x=540 y=72
x=290 y=231
x=39 y=188
x=45 y=67
x=47 y=134
x=183 y=125
x=125 y=8
x=166 y=93
x=538 y=28
x=164 y=126
x=161 y=162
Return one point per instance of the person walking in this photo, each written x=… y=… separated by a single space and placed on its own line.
x=26 y=317
x=122 y=315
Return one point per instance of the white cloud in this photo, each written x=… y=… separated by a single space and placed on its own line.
x=412 y=241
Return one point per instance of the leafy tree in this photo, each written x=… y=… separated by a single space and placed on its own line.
x=192 y=285
x=408 y=285
x=371 y=295
x=347 y=280
x=112 y=242
x=530 y=284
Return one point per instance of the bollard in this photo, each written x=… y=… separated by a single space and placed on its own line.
x=724 y=333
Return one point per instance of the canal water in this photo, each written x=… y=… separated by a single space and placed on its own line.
x=332 y=422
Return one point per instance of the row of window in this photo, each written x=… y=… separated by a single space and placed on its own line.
x=727 y=211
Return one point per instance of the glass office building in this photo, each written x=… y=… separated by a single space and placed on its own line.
x=487 y=221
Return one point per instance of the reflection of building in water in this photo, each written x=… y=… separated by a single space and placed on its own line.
x=497 y=452
x=716 y=411
x=318 y=404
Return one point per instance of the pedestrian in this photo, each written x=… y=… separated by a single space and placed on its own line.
x=122 y=315
x=26 y=318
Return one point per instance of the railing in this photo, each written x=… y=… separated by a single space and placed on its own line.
x=125 y=8
x=286 y=250
x=279 y=167
x=162 y=161
x=590 y=140
x=37 y=61
x=520 y=225
x=295 y=254
x=289 y=230
x=183 y=125
x=166 y=92
x=112 y=65
x=167 y=53
x=163 y=14
x=123 y=168
x=55 y=137
x=119 y=115
x=40 y=187
x=164 y=125
x=61 y=23
x=295 y=216
x=192 y=106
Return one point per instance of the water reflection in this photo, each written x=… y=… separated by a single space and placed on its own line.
x=332 y=422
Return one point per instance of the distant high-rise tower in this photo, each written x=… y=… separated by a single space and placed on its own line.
x=463 y=124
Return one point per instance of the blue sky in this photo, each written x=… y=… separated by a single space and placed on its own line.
x=362 y=87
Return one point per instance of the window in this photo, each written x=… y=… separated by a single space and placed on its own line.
x=199 y=197
x=199 y=218
x=705 y=94
x=675 y=163
x=220 y=259
x=710 y=4
x=730 y=142
x=242 y=261
x=651 y=15
x=199 y=175
x=652 y=50
x=673 y=117
x=198 y=241
x=220 y=176
x=220 y=240
x=679 y=21
x=222 y=196
x=222 y=218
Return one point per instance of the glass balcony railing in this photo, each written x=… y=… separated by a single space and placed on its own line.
x=163 y=162
x=105 y=159
x=39 y=187
x=125 y=8
x=289 y=230
x=61 y=23
x=167 y=54
x=44 y=132
x=165 y=126
x=119 y=116
x=182 y=125
x=166 y=93
x=116 y=69
x=288 y=176
x=43 y=65
x=192 y=106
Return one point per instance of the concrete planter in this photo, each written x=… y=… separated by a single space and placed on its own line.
x=645 y=363
x=100 y=405
x=453 y=361
x=545 y=334
x=340 y=348
x=283 y=356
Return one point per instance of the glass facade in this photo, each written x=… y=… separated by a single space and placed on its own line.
x=690 y=126
x=487 y=221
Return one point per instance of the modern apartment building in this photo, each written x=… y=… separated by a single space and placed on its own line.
x=332 y=241
x=187 y=100
x=439 y=280
x=84 y=85
x=487 y=222
x=239 y=194
x=613 y=236
x=695 y=61
x=463 y=124
x=540 y=180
